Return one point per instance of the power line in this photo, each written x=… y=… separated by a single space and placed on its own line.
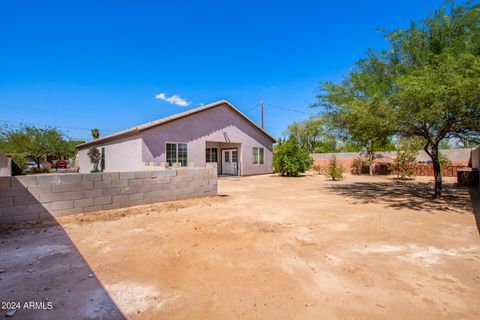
x=50 y=125
x=291 y=110
x=251 y=108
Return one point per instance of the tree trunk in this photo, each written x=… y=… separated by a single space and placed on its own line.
x=437 y=171
x=37 y=161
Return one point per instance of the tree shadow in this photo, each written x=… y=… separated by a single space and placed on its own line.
x=406 y=195
x=43 y=275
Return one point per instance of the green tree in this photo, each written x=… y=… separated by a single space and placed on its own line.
x=406 y=158
x=426 y=85
x=289 y=159
x=334 y=170
x=436 y=65
x=31 y=143
x=357 y=108
x=95 y=133
x=309 y=134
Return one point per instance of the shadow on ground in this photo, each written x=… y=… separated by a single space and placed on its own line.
x=44 y=276
x=42 y=273
x=399 y=195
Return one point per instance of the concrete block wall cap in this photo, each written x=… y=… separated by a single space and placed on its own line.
x=25 y=181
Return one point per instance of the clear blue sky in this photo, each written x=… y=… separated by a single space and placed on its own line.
x=81 y=64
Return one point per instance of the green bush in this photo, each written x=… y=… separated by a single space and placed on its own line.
x=94 y=156
x=289 y=159
x=334 y=170
x=406 y=158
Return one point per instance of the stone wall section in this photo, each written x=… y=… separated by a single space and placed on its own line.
x=45 y=196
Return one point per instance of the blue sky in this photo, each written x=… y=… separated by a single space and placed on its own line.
x=79 y=64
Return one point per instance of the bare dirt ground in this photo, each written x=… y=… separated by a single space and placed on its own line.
x=267 y=248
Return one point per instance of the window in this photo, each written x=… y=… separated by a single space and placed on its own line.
x=227 y=156
x=177 y=152
x=258 y=156
x=182 y=154
x=234 y=156
x=211 y=154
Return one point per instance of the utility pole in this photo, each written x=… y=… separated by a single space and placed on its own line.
x=261 y=111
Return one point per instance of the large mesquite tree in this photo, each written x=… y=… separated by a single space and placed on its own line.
x=428 y=85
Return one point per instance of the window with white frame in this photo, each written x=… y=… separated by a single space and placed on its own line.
x=258 y=155
x=177 y=153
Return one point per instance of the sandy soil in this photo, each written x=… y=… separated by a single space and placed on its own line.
x=267 y=248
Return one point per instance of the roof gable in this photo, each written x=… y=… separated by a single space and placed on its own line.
x=159 y=122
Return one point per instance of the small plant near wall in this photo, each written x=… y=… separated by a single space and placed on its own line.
x=289 y=159
x=406 y=158
x=357 y=165
x=94 y=156
x=318 y=168
x=334 y=170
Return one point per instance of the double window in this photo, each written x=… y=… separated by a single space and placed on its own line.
x=177 y=153
x=258 y=155
x=211 y=154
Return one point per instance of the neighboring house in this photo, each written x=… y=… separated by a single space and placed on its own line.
x=217 y=132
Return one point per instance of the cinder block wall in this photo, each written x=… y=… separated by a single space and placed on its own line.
x=41 y=197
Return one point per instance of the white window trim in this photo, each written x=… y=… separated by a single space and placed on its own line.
x=258 y=156
x=176 y=153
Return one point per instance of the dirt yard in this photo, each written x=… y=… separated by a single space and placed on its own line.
x=267 y=247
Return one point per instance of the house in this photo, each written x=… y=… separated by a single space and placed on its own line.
x=217 y=132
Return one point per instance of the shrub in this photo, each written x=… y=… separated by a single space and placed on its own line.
x=94 y=156
x=357 y=165
x=317 y=168
x=289 y=160
x=406 y=159
x=334 y=170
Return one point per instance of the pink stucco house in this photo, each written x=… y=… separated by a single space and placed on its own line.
x=217 y=132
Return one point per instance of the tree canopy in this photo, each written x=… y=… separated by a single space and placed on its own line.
x=426 y=85
x=35 y=144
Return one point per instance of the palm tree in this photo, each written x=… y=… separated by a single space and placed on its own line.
x=95 y=133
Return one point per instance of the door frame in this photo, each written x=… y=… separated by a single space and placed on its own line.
x=221 y=160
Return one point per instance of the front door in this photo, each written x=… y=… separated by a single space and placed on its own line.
x=230 y=161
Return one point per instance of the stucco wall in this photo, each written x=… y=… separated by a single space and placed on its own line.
x=5 y=166
x=120 y=155
x=42 y=197
x=220 y=124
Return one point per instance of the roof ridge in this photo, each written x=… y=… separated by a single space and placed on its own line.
x=154 y=123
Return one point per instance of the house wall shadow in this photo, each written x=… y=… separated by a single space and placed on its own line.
x=42 y=271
